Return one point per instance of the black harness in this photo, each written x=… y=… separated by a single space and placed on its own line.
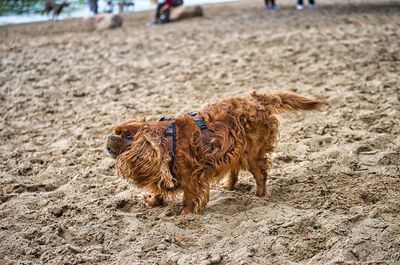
x=170 y=136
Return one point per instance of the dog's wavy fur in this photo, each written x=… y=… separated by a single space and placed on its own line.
x=244 y=132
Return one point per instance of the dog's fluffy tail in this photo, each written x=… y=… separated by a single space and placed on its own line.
x=285 y=101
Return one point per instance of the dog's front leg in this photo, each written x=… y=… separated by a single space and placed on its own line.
x=189 y=197
x=195 y=195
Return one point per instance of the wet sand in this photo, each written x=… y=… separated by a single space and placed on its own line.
x=333 y=195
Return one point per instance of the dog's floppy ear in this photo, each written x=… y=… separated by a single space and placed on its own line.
x=146 y=162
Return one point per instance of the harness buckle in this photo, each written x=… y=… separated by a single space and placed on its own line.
x=201 y=124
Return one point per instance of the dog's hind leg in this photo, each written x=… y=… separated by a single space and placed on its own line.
x=259 y=169
x=231 y=180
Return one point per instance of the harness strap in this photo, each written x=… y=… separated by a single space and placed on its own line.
x=170 y=135
x=205 y=133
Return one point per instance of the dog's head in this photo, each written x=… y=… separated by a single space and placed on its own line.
x=138 y=148
x=122 y=137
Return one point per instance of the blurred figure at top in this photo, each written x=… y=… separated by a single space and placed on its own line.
x=126 y=5
x=51 y=6
x=163 y=10
x=109 y=7
x=300 y=6
x=270 y=6
x=93 y=7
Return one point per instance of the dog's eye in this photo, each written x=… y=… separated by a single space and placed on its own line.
x=128 y=137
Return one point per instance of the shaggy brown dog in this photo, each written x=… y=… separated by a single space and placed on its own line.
x=243 y=133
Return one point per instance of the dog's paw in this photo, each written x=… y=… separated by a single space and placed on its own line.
x=228 y=185
x=154 y=200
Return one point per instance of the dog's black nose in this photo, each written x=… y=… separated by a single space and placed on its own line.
x=110 y=151
x=112 y=138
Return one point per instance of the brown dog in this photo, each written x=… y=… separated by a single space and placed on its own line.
x=55 y=8
x=190 y=152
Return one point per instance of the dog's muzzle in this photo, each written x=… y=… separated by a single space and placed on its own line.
x=113 y=145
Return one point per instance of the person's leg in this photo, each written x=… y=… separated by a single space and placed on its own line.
x=95 y=7
x=269 y=5
x=311 y=2
x=299 y=5
x=157 y=15
x=164 y=14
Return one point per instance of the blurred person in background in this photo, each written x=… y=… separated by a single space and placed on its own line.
x=93 y=6
x=270 y=6
x=109 y=7
x=163 y=10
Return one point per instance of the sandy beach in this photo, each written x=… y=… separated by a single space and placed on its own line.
x=333 y=195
